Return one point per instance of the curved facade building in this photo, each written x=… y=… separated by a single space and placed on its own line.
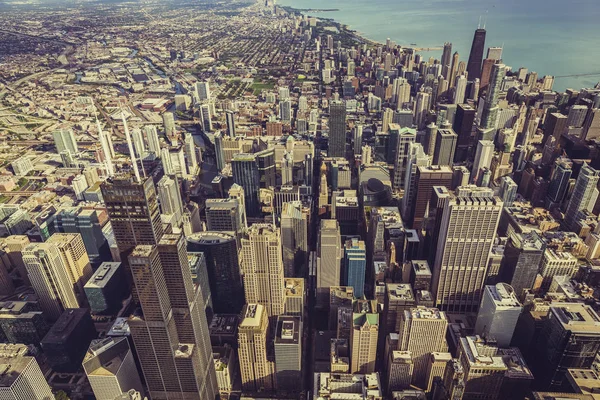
x=223 y=268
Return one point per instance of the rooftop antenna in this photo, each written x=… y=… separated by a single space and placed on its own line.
x=479 y=23
x=485 y=19
x=130 y=145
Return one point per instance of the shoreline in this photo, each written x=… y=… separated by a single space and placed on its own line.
x=343 y=28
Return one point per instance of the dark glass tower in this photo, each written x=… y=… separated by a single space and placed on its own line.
x=476 y=55
x=220 y=252
x=337 y=129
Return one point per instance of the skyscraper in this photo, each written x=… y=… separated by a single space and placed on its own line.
x=22 y=378
x=152 y=138
x=559 y=182
x=256 y=370
x=75 y=258
x=288 y=354
x=426 y=179
x=476 y=55
x=460 y=90
x=355 y=265
x=329 y=253
x=220 y=252
x=337 y=129
x=446 y=60
x=294 y=237
x=453 y=69
x=363 y=336
x=262 y=267
x=245 y=174
x=64 y=140
x=205 y=117
x=134 y=214
x=522 y=258
x=498 y=314
x=570 y=338
x=406 y=136
x=170 y=198
x=483 y=158
x=203 y=90
x=422 y=332
x=508 y=190
x=467 y=229
x=169 y=123
x=463 y=126
x=191 y=156
x=50 y=278
x=171 y=334
x=110 y=368
x=230 y=115
x=445 y=146
x=421 y=109
x=489 y=116
x=585 y=186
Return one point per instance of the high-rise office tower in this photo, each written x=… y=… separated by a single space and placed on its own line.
x=555 y=125
x=406 y=136
x=87 y=223
x=152 y=138
x=483 y=158
x=134 y=214
x=75 y=258
x=358 y=132
x=436 y=367
x=205 y=117
x=430 y=138
x=577 y=114
x=585 y=186
x=171 y=334
x=489 y=117
x=337 y=129
x=138 y=143
x=446 y=60
x=422 y=332
x=591 y=125
x=107 y=149
x=421 y=109
x=453 y=69
x=398 y=298
x=294 y=237
x=498 y=314
x=445 y=146
x=508 y=190
x=262 y=267
x=484 y=369
x=169 y=123
x=460 y=90
x=288 y=354
x=170 y=198
x=14 y=246
x=257 y=372
x=467 y=229
x=355 y=265
x=230 y=115
x=559 y=182
x=287 y=169
x=110 y=368
x=219 y=154
x=267 y=171
x=225 y=215
x=203 y=91
x=522 y=258
x=363 y=336
x=569 y=339
x=399 y=368
x=191 y=156
x=220 y=252
x=50 y=278
x=426 y=179
x=245 y=174
x=329 y=260
x=22 y=378
x=285 y=111
x=417 y=158
x=463 y=126
x=476 y=54
x=64 y=140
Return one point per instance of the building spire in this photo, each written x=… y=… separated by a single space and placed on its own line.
x=130 y=145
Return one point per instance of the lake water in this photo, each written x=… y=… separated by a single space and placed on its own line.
x=551 y=37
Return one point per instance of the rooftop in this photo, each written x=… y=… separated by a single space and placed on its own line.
x=103 y=274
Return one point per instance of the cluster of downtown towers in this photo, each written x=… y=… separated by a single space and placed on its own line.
x=454 y=213
x=442 y=177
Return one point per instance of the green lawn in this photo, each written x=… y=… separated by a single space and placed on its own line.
x=258 y=86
